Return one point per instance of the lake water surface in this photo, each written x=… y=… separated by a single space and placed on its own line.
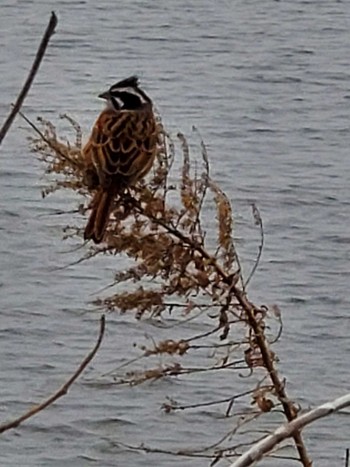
x=268 y=85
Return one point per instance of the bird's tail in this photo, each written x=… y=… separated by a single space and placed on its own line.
x=99 y=216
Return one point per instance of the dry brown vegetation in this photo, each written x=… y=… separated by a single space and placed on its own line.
x=160 y=226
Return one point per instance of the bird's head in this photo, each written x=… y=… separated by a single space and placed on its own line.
x=126 y=95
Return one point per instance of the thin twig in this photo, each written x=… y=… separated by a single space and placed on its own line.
x=47 y=141
x=259 y=223
x=175 y=406
x=205 y=179
x=62 y=390
x=50 y=30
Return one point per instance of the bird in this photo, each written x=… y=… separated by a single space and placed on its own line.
x=120 y=150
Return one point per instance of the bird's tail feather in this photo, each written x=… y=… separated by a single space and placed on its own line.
x=99 y=216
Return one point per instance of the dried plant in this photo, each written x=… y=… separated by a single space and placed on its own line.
x=160 y=226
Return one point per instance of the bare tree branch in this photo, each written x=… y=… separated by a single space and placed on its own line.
x=50 y=30
x=287 y=430
x=62 y=390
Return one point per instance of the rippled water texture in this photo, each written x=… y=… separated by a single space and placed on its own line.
x=268 y=85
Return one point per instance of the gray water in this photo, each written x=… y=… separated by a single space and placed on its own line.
x=268 y=85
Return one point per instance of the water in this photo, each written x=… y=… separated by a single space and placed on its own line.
x=267 y=84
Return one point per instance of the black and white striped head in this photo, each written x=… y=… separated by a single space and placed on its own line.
x=126 y=95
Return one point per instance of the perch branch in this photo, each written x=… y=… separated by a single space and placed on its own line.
x=289 y=429
x=62 y=390
x=50 y=30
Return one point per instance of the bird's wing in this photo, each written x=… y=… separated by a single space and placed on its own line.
x=122 y=142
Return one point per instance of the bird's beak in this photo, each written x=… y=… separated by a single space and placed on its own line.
x=104 y=95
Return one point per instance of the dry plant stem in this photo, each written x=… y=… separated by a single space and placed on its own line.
x=50 y=30
x=289 y=429
x=47 y=141
x=208 y=404
x=258 y=222
x=62 y=390
x=251 y=312
x=269 y=365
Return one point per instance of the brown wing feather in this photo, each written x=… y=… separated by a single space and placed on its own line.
x=122 y=145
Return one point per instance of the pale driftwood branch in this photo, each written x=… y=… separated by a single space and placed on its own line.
x=62 y=390
x=287 y=430
x=50 y=30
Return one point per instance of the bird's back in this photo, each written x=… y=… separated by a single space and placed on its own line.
x=122 y=145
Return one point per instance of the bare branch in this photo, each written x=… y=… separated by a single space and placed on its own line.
x=287 y=430
x=62 y=390
x=50 y=30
